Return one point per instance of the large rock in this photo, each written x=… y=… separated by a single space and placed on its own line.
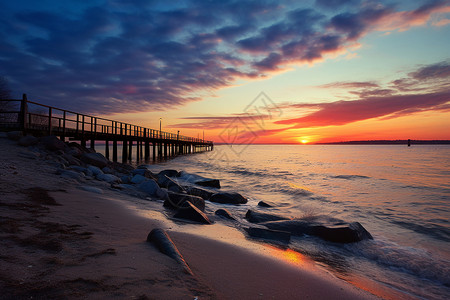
x=110 y=178
x=169 y=173
x=138 y=179
x=28 y=140
x=71 y=159
x=269 y=234
x=224 y=213
x=258 y=217
x=72 y=174
x=266 y=204
x=52 y=143
x=151 y=188
x=329 y=229
x=166 y=246
x=228 y=198
x=95 y=170
x=198 y=192
x=190 y=212
x=95 y=159
x=177 y=200
x=209 y=182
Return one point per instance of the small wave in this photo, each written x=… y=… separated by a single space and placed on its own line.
x=433 y=230
x=410 y=260
x=350 y=177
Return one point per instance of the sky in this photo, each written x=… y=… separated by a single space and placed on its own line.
x=238 y=72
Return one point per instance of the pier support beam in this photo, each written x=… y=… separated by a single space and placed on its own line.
x=124 y=151
x=114 y=151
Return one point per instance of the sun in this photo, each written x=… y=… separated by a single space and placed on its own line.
x=303 y=141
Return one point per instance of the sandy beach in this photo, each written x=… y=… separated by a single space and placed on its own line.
x=62 y=242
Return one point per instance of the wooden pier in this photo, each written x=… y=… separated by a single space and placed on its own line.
x=40 y=120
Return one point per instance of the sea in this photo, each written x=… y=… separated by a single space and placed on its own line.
x=400 y=194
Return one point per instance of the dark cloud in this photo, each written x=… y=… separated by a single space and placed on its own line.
x=333 y=4
x=435 y=71
x=121 y=56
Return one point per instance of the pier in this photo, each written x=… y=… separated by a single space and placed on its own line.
x=41 y=120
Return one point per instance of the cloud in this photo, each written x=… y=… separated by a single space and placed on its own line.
x=110 y=56
x=374 y=101
x=344 y=112
x=217 y=122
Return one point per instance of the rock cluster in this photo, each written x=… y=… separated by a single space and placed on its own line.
x=188 y=202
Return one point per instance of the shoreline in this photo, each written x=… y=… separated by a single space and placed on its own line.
x=100 y=250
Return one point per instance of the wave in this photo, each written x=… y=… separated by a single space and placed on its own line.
x=350 y=177
x=410 y=260
x=433 y=230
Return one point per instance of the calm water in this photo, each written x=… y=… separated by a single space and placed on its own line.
x=400 y=195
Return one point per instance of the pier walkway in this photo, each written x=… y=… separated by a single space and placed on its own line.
x=40 y=120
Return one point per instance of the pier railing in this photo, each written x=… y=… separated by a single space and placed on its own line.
x=36 y=118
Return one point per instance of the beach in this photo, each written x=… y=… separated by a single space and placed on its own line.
x=63 y=242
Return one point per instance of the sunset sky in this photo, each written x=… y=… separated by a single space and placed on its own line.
x=239 y=71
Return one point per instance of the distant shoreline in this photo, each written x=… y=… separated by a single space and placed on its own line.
x=371 y=142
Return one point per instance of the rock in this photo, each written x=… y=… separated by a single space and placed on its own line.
x=71 y=174
x=95 y=170
x=190 y=212
x=169 y=173
x=177 y=200
x=71 y=160
x=224 y=213
x=329 y=229
x=258 y=217
x=198 y=192
x=125 y=179
x=91 y=189
x=110 y=178
x=52 y=143
x=263 y=233
x=14 y=135
x=165 y=245
x=95 y=159
x=228 y=198
x=28 y=140
x=29 y=154
x=162 y=180
x=151 y=188
x=209 y=182
x=136 y=179
x=144 y=172
x=174 y=186
x=108 y=170
x=265 y=204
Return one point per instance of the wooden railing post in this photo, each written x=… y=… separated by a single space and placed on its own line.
x=22 y=119
x=63 y=137
x=49 y=121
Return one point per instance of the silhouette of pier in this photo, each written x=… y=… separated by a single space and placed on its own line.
x=44 y=120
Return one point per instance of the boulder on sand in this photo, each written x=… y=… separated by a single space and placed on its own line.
x=190 y=212
x=329 y=229
x=198 y=192
x=169 y=173
x=95 y=159
x=151 y=188
x=228 y=198
x=166 y=246
x=269 y=234
x=209 y=182
x=224 y=213
x=258 y=217
x=177 y=200
x=28 y=140
x=52 y=143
